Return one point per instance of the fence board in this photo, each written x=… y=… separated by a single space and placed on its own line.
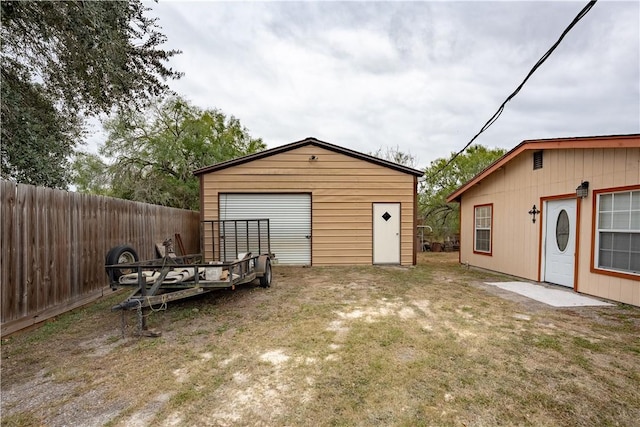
x=76 y=245
x=26 y=197
x=54 y=244
x=61 y=254
x=21 y=304
x=9 y=293
x=42 y=245
x=47 y=208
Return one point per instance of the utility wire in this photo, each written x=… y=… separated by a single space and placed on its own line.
x=544 y=57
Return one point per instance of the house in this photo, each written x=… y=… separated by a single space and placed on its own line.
x=327 y=205
x=563 y=211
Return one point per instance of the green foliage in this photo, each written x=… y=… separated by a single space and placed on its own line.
x=152 y=154
x=61 y=60
x=89 y=174
x=444 y=217
x=89 y=55
x=37 y=138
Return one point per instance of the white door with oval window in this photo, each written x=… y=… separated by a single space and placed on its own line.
x=386 y=233
x=560 y=241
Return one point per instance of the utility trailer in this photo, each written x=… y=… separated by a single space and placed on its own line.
x=234 y=252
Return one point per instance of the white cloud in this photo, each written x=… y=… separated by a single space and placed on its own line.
x=424 y=76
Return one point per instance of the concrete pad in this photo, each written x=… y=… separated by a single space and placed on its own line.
x=552 y=297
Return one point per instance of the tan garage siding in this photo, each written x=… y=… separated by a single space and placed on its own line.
x=342 y=188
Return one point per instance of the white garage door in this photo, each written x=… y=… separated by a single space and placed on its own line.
x=289 y=221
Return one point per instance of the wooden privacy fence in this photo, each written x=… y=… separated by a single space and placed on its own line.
x=54 y=245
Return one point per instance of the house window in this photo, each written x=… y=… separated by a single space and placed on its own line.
x=618 y=232
x=562 y=230
x=482 y=229
x=537 y=160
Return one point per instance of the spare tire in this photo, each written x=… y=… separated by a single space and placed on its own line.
x=123 y=254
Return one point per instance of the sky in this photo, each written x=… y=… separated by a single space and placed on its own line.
x=421 y=77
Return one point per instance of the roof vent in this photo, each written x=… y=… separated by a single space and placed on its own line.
x=537 y=160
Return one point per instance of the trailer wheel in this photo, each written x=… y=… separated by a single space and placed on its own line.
x=123 y=254
x=265 y=280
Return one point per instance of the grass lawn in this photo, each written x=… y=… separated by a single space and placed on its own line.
x=429 y=345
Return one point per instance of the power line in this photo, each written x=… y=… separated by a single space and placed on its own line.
x=544 y=57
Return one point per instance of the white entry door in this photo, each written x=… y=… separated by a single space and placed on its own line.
x=386 y=233
x=560 y=241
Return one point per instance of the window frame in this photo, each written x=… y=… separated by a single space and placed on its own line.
x=595 y=246
x=475 y=230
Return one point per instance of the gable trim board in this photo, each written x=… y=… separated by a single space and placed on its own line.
x=609 y=163
x=302 y=143
x=342 y=186
x=614 y=141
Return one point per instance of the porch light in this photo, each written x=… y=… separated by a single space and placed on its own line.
x=583 y=190
x=533 y=212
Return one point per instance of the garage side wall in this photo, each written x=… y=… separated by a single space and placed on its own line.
x=342 y=188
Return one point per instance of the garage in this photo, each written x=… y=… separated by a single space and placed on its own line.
x=289 y=221
x=327 y=205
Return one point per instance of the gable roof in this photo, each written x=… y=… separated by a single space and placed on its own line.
x=610 y=141
x=303 y=143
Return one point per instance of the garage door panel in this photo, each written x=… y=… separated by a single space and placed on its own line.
x=289 y=221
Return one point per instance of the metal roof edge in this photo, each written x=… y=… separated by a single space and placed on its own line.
x=302 y=143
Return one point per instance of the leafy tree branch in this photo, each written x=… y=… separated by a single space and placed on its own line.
x=151 y=155
x=444 y=217
x=64 y=60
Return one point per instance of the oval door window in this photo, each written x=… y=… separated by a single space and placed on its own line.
x=562 y=230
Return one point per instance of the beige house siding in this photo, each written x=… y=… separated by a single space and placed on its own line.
x=515 y=187
x=342 y=190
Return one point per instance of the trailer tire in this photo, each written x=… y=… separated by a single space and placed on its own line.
x=265 y=280
x=123 y=254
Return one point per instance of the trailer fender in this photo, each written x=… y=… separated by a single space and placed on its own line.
x=263 y=270
x=260 y=264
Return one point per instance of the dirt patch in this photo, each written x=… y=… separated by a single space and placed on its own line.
x=427 y=345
